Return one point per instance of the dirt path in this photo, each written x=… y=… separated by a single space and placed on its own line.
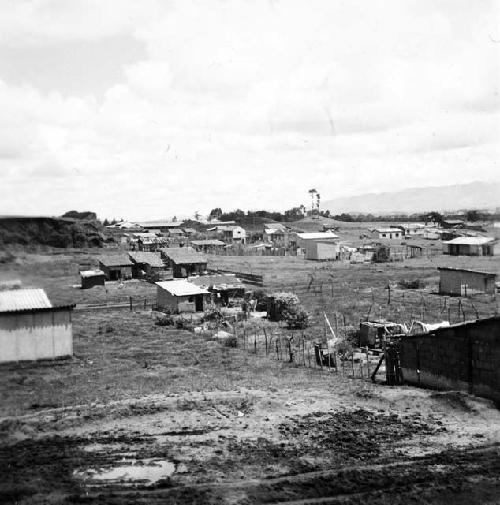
x=346 y=443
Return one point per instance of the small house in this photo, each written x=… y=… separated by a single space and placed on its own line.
x=452 y=223
x=116 y=267
x=31 y=328
x=161 y=226
x=322 y=251
x=304 y=238
x=469 y=246
x=207 y=246
x=387 y=233
x=412 y=229
x=184 y=261
x=91 y=278
x=463 y=282
x=180 y=295
x=223 y=287
x=146 y=264
x=233 y=234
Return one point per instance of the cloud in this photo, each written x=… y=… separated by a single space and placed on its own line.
x=246 y=104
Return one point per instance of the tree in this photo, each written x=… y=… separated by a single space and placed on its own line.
x=317 y=202
x=313 y=193
x=473 y=215
x=434 y=217
x=197 y=215
x=215 y=214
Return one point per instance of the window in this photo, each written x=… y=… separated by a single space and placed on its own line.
x=384 y=235
x=191 y=299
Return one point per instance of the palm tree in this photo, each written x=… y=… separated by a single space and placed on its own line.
x=312 y=192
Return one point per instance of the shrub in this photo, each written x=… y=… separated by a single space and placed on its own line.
x=166 y=320
x=286 y=307
x=184 y=324
x=414 y=284
x=231 y=342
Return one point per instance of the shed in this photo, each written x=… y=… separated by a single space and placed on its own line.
x=116 y=267
x=184 y=261
x=223 y=286
x=322 y=251
x=463 y=282
x=304 y=238
x=373 y=333
x=180 y=295
x=91 y=278
x=31 y=328
x=146 y=263
x=388 y=233
x=469 y=246
x=207 y=246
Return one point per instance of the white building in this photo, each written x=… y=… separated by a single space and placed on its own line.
x=31 y=328
x=387 y=233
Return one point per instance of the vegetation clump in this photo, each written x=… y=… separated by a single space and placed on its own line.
x=286 y=307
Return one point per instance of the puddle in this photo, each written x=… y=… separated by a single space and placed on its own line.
x=146 y=470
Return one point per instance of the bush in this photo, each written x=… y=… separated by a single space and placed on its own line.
x=184 y=324
x=231 y=342
x=297 y=318
x=213 y=314
x=286 y=307
x=414 y=284
x=166 y=320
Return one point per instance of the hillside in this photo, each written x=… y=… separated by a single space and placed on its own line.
x=49 y=231
x=476 y=195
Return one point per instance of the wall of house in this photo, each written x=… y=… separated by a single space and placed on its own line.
x=37 y=335
x=165 y=300
x=125 y=272
x=453 y=282
x=186 y=270
x=463 y=357
x=90 y=282
x=321 y=250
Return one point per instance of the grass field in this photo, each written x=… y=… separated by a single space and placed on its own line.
x=147 y=414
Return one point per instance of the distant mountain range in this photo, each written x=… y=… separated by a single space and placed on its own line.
x=476 y=195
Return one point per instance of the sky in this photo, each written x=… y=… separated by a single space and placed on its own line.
x=150 y=109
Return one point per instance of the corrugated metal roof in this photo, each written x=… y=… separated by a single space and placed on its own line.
x=470 y=240
x=317 y=235
x=23 y=299
x=388 y=230
x=217 y=280
x=181 y=288
x=91 y=273
x=150 y=258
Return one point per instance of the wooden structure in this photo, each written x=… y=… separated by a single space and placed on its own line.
x=222 y=286
x=116 y=267
x=463 y=282
x=146 y=264
x=207 y=246
x=180 y=295
x=184 y=261
x=31 y=328
x=469 y=246
x=91 y=278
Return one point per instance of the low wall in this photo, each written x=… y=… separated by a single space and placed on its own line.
x=464 y=357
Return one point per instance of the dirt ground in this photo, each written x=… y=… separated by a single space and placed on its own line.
x=146 y=414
